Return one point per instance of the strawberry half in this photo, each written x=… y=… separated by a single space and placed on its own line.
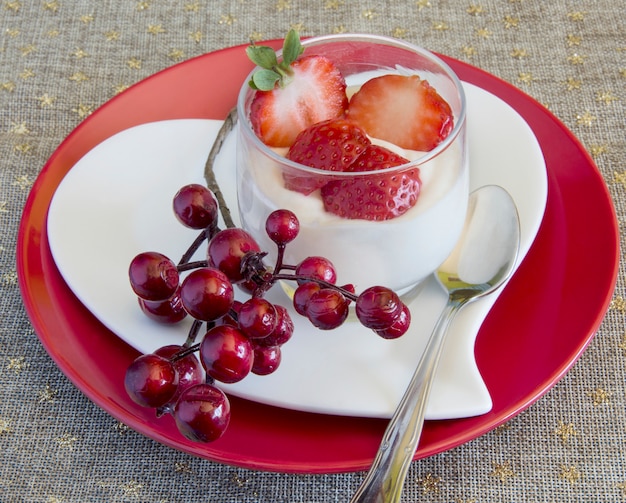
x=293 y=94
x=373 y=197
x=404 y=110
x=332 y=145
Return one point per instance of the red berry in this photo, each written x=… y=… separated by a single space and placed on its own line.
x=195 y=206
x=303 y=294
x=188 y=369
x=202 y=413
x=283 y=331
x=327 y=309
x=257 y=318
x=266 y=359
x=164 y=311
x=399 y=327
x=153 y=276
x=282 y=226
x=207 y=294
x=316 y=268
x=151 y=380
x=403 y=110
x=226 y=250
x=226 y=354
x=378 y=307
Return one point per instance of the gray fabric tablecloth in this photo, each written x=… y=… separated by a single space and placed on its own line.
x=61 y=59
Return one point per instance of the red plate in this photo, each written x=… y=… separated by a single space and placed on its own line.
x=538 y=328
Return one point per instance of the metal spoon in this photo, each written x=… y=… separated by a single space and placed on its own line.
x=481 y=262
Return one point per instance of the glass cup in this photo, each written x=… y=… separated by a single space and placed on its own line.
x=398 y=253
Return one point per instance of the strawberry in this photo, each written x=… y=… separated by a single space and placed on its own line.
x=404 y=110
x=332 y=145
x=293 y=94
x=373 y=197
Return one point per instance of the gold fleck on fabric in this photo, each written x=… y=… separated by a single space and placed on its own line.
x=565 y=431
x=430 y=483
x=503 y=471
x=576 y=16
x=586 y=118
x=573 y=84
x=510 y=21
x=570 y=473
x=518 y=53
x=599 y=396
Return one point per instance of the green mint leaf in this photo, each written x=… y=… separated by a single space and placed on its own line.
x=262 y=56
x=265 y=80
x=292 y=48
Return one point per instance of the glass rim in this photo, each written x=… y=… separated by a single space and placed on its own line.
x=459 y=123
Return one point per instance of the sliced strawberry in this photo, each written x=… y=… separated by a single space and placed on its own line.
x=404 y=110
x=332 y=145
x=313 y=91
x=376 y=157
x=374 y=197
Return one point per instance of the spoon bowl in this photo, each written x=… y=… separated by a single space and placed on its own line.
x=482 y=261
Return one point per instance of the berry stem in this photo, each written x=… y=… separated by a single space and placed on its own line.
x=185 y=352
x=233 y=314
x=193 y=248
x=205 y=234
x=209 y=174
x=279 y=258
x=192 y=265
x=295 y=277
x=191 y=336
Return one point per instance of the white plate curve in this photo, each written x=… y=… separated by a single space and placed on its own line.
x=116 y=202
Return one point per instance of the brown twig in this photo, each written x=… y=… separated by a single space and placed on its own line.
x=209 y=174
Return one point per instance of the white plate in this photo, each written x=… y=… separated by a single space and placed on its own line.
x=116 y=202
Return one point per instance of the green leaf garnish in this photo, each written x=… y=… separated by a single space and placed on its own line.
x=265 y=80
x=273 y=72
x=262 y=56
x=292 y=48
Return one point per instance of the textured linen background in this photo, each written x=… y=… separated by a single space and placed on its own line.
x=61 y=59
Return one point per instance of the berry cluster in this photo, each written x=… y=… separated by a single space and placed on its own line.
x=239 y=337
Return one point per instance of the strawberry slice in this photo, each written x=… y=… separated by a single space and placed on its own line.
x=374 y=197
x=293 y=94
x=332 y=145
x=404 y=110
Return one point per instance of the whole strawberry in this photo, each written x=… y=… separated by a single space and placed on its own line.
x=373 y=197
x=294 y=93
x=332 y=145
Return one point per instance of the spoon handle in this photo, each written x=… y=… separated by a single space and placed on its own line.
x=384 y=481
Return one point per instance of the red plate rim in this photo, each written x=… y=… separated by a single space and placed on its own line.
x=577 y=248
